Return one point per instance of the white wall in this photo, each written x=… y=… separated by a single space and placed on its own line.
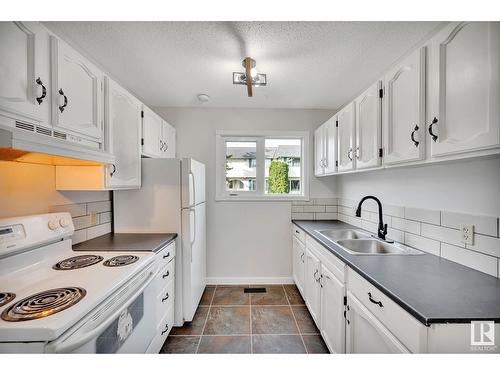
x=463 y=186
x=245 y=240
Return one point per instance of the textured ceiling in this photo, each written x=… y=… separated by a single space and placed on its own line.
x=308 y=64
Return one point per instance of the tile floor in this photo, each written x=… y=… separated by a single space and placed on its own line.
x=231 y=321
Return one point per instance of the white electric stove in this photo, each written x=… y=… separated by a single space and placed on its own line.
x=53 y=299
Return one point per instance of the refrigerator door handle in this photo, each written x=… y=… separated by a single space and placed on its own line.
x=193 y=231
x=192 y=189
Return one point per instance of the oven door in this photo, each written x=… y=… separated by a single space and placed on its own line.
x=123 y=324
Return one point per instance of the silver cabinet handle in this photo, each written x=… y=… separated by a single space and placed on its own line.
x=314 y=276
x=302 y=257
x=165 y=275
x=357 y=152
x=166 y=255
x=166 y=330
x=349 y=154
x=165 y=298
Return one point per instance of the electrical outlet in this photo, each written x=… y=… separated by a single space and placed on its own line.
x=93 y=218
x=467 y=234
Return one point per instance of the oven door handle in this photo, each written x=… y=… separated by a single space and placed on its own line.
x=70 y=345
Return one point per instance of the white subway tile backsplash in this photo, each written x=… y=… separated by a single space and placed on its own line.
x=422 y=243
x=346 y=202
x=82 y=222
x=314 y=209
x=325 y=201
x=350 y=211
x=98 y=230
x=478 y=261
x=486 y=244
x=302 y=216
x=79 y=236
x=76 y=209
x=331 y=209
x=396 y=211
x=443 y=234
x=406 y=225
x=325 y=216
x=396 y=235
x=105 y=217
x=423 y=215
x=482 y=224
x=369 y=226
x=98 y=207
x=297 y=208
x=302 y=203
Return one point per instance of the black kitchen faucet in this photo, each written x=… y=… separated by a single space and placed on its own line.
x=382 y=228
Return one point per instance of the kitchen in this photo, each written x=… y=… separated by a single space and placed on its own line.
x=244 y=187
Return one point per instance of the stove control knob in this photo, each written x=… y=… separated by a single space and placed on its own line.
x=64 y=223
x=53 y=224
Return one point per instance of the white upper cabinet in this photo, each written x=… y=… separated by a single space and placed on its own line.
x=123 y=121
x=25 y=72
x=368 y=128
x=152 y=134
x=465 y=88
x=404 y=110
x=168 y=138
x=319 y=151
x=77 y=92
x=332 y=311
x=345 y=134
x=325 y=148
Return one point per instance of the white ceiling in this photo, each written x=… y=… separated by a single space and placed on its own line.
x=308 y=64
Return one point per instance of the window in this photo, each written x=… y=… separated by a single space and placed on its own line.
x=268 y=165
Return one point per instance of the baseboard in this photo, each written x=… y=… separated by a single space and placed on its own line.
x=248 y=280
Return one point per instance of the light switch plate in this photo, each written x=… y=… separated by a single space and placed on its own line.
x=467 y=231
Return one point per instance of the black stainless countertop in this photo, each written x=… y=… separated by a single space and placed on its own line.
x=127 y=242
x=432 y=289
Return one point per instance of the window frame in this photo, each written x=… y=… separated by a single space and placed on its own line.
x=223 y=136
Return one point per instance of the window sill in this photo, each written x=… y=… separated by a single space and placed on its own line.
x=262 y=198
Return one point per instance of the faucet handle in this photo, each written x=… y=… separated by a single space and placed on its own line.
x=385 y=228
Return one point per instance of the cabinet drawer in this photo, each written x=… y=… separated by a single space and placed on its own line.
x=165 y=300
x=299 y=234
x=402 y=325
x=166 y=254
x=163 y=328
x=334 y=264
x=165 y=275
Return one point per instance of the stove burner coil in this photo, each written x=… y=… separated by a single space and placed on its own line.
x=43 y=304
x=79 y=261
x=121 y=260
x=6 y=297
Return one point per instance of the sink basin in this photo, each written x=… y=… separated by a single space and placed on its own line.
x=342 y=234
x=375 y=247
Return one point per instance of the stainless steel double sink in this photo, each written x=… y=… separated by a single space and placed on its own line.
x=357 y=242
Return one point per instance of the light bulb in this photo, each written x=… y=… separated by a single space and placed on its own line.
x=253 y=73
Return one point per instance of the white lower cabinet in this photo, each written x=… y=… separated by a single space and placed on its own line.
x=298 y=265
x=332 y=311
x=312 y=287
x=365 y=333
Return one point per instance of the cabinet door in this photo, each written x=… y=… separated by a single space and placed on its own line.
x=123 y=122
x=330 y=140
x=152 y=134
x=319 y=151
x=298 y=258
x=172 y=141
x=332 y=311
x=368 y=128
x=311 y=283
x=465 y=88
x=168 y=136
x=404 y=110
x=25 y=71
x=346 y=138
x=365 y=334
x=77 y=87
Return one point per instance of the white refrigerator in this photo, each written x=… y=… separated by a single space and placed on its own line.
x=171 y=200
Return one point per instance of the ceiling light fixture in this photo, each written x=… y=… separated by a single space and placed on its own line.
x=256 y=79
x=203 y=98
